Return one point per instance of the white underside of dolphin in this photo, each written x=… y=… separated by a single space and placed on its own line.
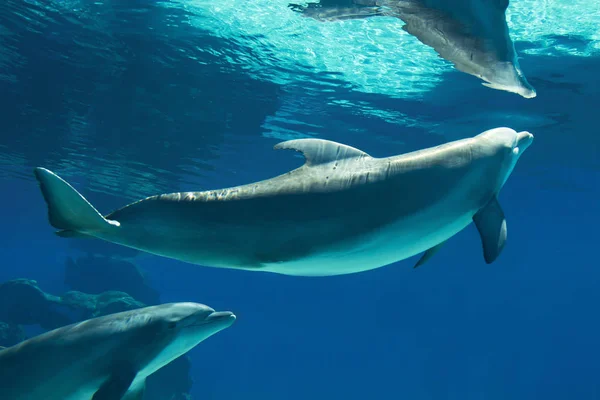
x=342 y=212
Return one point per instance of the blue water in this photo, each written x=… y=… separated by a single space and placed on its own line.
x=126 y=100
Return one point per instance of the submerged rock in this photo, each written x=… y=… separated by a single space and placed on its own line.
x=97 y=305
x=97 y=274
x=11 y=334
x=22 y=302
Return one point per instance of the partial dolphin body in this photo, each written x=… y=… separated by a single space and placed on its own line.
x=106 y=358
x=471 y=34
x=342 y=212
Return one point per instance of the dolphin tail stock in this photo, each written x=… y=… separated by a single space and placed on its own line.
x=68 y=210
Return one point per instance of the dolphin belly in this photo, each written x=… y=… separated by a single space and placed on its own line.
x=395 y=242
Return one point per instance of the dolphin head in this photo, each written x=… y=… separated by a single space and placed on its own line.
x=504 y=146
x=191 y=323
x=507 y=76
x=179 y=327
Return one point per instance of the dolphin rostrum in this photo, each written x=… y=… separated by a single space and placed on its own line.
x=471 y=34
x=106 y=358
x=342 y=212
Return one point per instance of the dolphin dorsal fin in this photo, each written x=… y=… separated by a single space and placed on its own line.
x=319 y=151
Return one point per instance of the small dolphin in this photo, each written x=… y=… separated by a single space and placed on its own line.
x=471 y=34
x=106 y=358
x=342 y=212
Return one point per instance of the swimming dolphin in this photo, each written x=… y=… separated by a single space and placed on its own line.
x=471 y=34
x=106 y=358
x=342 y=212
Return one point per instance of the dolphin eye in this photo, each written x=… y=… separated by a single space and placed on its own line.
x=172 y=325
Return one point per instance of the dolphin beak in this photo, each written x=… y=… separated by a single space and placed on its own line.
x=221 y=317
x=525 y=89
x=524 y=139
x=528 y=93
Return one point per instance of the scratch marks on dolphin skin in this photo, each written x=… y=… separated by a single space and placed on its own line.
x=388 y=170
x=219 y=195
x=209 y=195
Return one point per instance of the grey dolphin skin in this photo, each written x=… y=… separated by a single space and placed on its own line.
x=471 y=34
x=342 y=212
x=106 y=358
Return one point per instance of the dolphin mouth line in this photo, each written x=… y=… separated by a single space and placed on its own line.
x=214 y=317
x=524 y=138
x=220 y=316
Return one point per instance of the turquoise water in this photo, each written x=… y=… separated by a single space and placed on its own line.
x=131 y=99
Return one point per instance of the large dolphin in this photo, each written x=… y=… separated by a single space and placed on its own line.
x=342 y=212
x=105 y=358
x=471 y=34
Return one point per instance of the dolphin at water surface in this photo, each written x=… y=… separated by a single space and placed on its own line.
x=342 y=212
x=106 y=358
x=471 y=34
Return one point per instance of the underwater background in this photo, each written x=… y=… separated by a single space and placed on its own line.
x=127 y=99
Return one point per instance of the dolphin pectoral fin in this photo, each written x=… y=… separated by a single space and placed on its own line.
x=491 y=224
x=319 y=151
x=136 y=393
x=428 y=254
x=115 y=387
x=492 y=86
x=67 y=233
x=67 y=209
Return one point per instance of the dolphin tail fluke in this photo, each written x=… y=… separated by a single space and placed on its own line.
x=68 y=210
